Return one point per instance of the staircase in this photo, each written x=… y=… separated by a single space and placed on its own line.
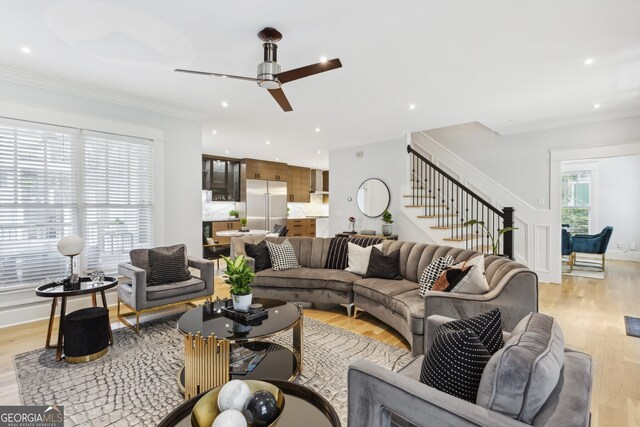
x=442 y=204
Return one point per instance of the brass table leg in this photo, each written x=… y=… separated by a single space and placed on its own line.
x=54 y=303
x=63 y=309
x=297 y=338
x=93 y=299
x=206 y=363
x=104 y=304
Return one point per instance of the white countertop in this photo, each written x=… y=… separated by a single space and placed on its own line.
x=237 y=233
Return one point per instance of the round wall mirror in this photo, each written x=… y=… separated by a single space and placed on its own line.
x=373 y=197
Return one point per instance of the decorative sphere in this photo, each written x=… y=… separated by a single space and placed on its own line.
x=230 y=418
x=233 y=395
x=70 y=245
x=261 y=409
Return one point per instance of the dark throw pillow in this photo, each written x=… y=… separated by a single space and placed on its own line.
x=487 y=326
x=432 y=273
x=337 y=255
x=449 y=279
x=455 y=363
x=260 y=253
x=384 y=266
x=167 y=267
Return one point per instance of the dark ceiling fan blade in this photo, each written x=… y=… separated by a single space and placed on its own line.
x=281 y=99
x=309 y=70
x=205 y=73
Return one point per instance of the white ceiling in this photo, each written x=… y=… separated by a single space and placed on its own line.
x=508 y=64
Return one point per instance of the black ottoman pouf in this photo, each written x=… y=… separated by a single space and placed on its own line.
x=86 y=334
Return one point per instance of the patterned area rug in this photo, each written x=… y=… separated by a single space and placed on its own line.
x=135 y=383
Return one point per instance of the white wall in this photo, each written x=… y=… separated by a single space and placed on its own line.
x=387 y=161
x=618 y=204
x=520 y=162
x=178 y=164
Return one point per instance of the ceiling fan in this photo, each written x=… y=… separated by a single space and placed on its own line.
x=270 y=76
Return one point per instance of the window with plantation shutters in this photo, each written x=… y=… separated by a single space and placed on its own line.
x=38 y=201
x=117 y=203
x=56 y=181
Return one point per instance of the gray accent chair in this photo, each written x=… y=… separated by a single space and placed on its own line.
x=139 y=298
x=379 y=397
x=513 y=288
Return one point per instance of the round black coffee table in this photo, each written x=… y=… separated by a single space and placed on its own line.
x=303 y=407
x=279 y=361
x=56 y=289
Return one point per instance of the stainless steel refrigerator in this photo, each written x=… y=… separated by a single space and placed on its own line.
x=266 y=204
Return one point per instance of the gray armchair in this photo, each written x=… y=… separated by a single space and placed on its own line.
x=139 y=298
x=379 y=397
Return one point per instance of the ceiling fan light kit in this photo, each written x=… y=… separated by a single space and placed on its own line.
x=270 y=75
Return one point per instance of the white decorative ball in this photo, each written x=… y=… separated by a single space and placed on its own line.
x=230 y=418
x=233 y=395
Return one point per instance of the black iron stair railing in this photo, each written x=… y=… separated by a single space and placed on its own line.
x=452 y=204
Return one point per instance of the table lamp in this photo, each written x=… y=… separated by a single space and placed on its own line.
x=71 y=246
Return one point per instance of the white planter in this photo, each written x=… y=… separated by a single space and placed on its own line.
x=242 y=302
x=387 y=229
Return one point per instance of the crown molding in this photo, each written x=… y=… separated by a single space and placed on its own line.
x=40 y=81
x=560 y=123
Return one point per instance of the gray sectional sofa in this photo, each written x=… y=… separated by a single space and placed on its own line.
x=513 y=287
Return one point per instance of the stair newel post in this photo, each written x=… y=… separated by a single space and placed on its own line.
x=507 y=241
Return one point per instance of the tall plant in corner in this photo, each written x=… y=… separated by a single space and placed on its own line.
x=387 y=219
x=239 y=275
x=495 y=240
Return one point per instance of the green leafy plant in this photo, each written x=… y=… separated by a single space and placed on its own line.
x=386 y=217
x=238 y=275
x=495 y=240
x=243 y=222
x=233 y=213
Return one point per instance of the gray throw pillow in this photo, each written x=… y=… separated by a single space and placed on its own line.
x=167 y=267
x=519 y=378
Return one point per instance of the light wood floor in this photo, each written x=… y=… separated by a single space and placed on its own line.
x=591 y=313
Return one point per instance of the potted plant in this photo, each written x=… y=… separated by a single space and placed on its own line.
x=495 y=240
x=243 y=223
x=387 y=219
x=238 y=275
x=233 y=213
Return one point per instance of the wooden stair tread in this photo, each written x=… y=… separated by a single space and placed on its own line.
x=447 y=227
x=462 y=238
x=437 y=216
x=419 y=196
x=425 y=206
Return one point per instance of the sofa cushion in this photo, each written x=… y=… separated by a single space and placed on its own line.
x=260 y=254
x=520 y=377
x=487 y=326
x=432 y=272
x=359 y=257
x=338 y=251
x=455 y=363
x=168 y=267
x=175 y=289
x=283 y=256
x=304 y=277
x=384 y=266
x=400 y=296
x=140 y=257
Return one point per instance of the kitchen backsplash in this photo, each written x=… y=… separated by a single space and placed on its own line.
x=300 y=210
x=212 y=211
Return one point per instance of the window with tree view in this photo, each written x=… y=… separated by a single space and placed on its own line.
x=576 y=201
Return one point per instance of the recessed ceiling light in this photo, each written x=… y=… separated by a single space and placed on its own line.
x=412 y=106
x=323 y=59
x=277 y=158
x=226 y=151
x=224 y=104
x=214 y=131
x=596 y=106
x=25 y=49
x=319 y=152
x=267 y=142
x=588 y=61
x=224 y=77
x=317 y=129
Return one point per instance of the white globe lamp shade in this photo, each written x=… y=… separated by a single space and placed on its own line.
x=70 y=245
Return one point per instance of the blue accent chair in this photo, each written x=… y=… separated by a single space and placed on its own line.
x=566 y=247
x=590 y=244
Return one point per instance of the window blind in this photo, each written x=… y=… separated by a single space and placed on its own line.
x=38 y=201
x=117 y=199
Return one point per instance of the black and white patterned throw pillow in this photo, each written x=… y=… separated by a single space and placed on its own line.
x=283 y=257
x=433 y=272
x=455 y=363
x=487 y=326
